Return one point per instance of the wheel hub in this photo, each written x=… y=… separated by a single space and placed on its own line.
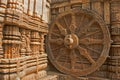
x=71 y=41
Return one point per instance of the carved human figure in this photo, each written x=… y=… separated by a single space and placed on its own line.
x=28 y=41
x=42 y=43
x=23 y=40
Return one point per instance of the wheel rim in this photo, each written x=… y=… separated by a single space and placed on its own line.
x=78 y=42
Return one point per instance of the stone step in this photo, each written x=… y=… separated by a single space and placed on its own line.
x=68 y=77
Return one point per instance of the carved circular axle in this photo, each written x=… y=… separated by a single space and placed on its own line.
x=71 y=41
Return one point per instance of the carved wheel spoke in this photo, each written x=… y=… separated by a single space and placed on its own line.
x=90 y=23
x=87 y=26
x=62 y=30
x=61 y=53
x=84 y=53
x=87 y=34
x=93 y=50
x=72 y=59
x=66 y=22
x=55 y=34
x=58 y=41
x=85 y=40
x=73 y=23
x=88 y=41
x=80 y=24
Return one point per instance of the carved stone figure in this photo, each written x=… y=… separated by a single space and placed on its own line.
x=25 y=45
x=42 y=43
x=23 y=42
x=27 y=37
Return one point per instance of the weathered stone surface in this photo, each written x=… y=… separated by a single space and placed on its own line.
x=24 y=25
x=22 y=30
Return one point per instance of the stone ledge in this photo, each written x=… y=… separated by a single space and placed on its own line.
x=68 y=77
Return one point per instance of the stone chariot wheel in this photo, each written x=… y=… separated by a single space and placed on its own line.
x=78 y=42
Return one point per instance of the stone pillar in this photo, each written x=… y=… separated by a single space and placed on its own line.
x=11 y=41
x=114 y=65
x=42 y=50
x=35 y=44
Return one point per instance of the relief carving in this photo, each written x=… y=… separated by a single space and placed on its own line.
x=11 y=41
x=42 y=43
x=23 y=42
x=15 y=51
x=25 y=45
x=28 y=49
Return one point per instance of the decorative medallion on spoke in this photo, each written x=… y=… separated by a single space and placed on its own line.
x=78 y=42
